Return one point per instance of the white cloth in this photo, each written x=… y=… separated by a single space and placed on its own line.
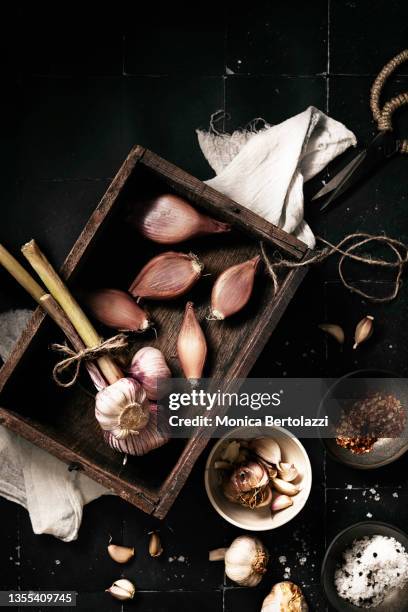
x=262 y=170
x=53 y=496
x=265 y=170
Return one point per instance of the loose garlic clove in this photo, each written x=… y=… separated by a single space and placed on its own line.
x=246 y=560
x=267 y=449
x=155 y=546
x=122 y=408
x=231 y=451
x=285 y=597
x=122 y=589
x=167 y=276
x=120 y=554
x=287 y=471
x=233 y=288
x=169 y=219
x=363 y=331
x=280 y=502
x=286 y=488
x=191 y=345
x=333 y=330
x=149 y=366
x=116 y=309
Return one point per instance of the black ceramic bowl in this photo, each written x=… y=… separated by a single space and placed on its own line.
x=397 y=601
x=386 y=450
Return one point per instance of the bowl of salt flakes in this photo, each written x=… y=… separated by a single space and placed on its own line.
x=366 y=568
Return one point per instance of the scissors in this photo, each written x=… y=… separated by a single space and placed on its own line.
x=385 y=144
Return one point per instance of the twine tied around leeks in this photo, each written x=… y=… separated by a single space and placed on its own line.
x=346 y=251
x=74 y=359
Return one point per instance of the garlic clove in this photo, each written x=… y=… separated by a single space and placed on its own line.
x=155 y=434
x=167 y=276
x=150 y=369
x=267 y=449
x=169 y=219
x=120 y=554
x=233 y=288
x=363 y=331
x=116 y=309
x=122 y=589
x=122 y=408
x=191 y=345
x=155 y=546
x=286 y=488
x=272 y=471
x=280 y=502
x=231 y=451
x=287 y=471
x=333 y=330
x=222 y=465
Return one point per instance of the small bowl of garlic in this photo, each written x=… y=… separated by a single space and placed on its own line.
x=258 y=478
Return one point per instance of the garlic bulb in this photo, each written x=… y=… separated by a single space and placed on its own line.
x=149 y=366
x=122 y=408
x=246 y=560
x=287 y=471
x=168 y=219
x=286 y=488
x=280 y=502
x=167 y=276
x=191 y=345
x=285 y=597
x=116 y=309
x=233 y=288
x=155 y=434
x=248 y=485
x=256 y=498
x=267 y=449
x=122 y=589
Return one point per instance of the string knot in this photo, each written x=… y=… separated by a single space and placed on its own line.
x=75 y=358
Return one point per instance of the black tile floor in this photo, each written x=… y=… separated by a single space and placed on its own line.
x=82 y=88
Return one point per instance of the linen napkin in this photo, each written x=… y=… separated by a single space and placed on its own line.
x=263 y=170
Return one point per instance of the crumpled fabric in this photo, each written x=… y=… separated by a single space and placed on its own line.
x=265 y=170
x=31 y=477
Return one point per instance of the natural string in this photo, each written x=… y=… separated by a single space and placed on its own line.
x=74 y=359
x=360 y=239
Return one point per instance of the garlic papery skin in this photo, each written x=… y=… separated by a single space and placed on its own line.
x=285 y=597
x=120 y=554
x=287 y=471
x=267 y=449
x=233 y=288
x=286 y=488
x=280 y=502
x=122 y=589
x=148 y=367
x=167 y=276
x=246 y=560
x=154 y=435
x=251 y=475
x=363 y=331
x=122 y=408
x=116 y=309
x=169 y=219
x=191 y=345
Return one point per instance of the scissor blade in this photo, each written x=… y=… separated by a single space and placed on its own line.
x=383 y=147
x=339 y=177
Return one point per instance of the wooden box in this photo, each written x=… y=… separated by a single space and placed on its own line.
x=108 y=253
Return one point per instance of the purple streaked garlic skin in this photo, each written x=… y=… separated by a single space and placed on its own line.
x=150 y=369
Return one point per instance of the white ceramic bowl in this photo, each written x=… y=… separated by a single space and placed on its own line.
x=261 y=519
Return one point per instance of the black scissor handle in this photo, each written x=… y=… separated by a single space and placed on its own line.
x=383 y=116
